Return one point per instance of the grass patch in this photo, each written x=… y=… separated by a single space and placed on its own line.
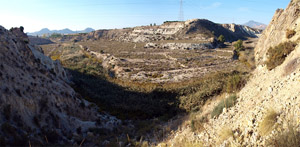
x=185 y=142
x=226 y=103
x=288 y=137
x=268 y=122
x=224 y=134
x=277 y=54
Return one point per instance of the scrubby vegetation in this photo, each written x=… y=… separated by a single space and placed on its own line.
x=238 y=47
x=247 y=57
x=147 y=105
x=226 y=103
x=224 y=134
x=211 y=85
x=55 y=35
x=289 y=137
x=221 y=39
x=277 y=54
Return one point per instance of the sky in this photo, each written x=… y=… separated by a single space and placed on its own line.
x=34 y=15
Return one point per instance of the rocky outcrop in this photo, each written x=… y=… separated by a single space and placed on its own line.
x=276 y=31
x=241 y=30
x=36 y=101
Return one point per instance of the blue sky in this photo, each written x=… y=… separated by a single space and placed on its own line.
x=108 y=14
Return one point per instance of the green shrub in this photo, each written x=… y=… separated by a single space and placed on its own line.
x=22 y=28
x=277 y=54
x=227 y=103
x=290 y=33
x=234 y=83
x=221 y=39
x=238 y=46
x=56 y=35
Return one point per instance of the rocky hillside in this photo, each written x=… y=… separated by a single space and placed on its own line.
x=266 y=112
x=37 y=105
x=39 y=41
x=200 y=30
x=195 y=29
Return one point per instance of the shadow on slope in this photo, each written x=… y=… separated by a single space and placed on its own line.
x=123 y=103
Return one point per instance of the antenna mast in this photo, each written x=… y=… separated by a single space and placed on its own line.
x=181 y=15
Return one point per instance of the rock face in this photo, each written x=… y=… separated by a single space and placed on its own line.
x=275 y=33
x=35 y=98
x=241 y=30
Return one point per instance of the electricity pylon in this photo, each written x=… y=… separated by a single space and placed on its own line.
x=181 y=15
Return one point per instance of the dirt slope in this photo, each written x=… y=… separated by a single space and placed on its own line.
x=36 y=101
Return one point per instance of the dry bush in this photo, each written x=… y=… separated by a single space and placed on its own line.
x=290 y=33
x=224 y=134
x=291 y=66
x=268 y=122
x=277 y=54
x=247 y=57
x=288 y=137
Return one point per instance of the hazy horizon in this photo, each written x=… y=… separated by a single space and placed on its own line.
x=35 y=15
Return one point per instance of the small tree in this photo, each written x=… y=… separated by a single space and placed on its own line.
x=22 y=28
x=221 y=39
x=154 y=24
x=238 y=46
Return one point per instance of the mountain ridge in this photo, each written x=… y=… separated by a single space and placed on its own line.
x=62 y=31
x=256 y=25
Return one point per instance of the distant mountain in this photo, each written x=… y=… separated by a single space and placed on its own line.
x=256 y=25
x=64 y=31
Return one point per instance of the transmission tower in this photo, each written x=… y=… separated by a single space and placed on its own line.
x=181 y=15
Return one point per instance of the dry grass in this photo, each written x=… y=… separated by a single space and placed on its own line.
x=228 y=102
x=247 y=57
x=268 y=122
x=224 y=134
x=185 y=142
x=289 y=137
